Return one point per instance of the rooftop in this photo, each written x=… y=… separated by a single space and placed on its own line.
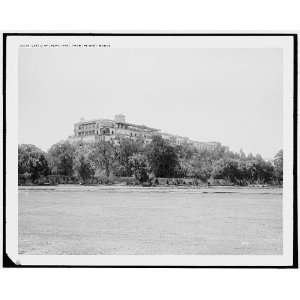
x=86 y=122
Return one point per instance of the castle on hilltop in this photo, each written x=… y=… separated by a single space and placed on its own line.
x=117 y=129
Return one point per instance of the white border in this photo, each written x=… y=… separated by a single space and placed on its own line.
x=283 y=42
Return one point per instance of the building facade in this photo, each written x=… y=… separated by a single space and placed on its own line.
x=111 y=130
x=117 y=129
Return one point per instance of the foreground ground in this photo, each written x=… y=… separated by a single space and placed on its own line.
x=124 y=220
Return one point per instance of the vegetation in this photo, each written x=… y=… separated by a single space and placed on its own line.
x=104 y=162
x=162 y=157
x=140 y=167
x=32 y=162
x=61 y=158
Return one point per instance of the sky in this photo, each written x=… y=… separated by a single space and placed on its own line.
x=232 y=96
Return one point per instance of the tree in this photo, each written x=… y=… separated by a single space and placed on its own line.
x=140 y=167
x=278 y=166
x=242 y=155
x=102 y=156
x=61 y=157
x=32 y=162
x=264 y=171
x=82 y=165
x=243 y=172
x=258 y=157
x=185 y=151
x=201 y=167
x=184 y=168
x=83 y=168
x=162 y=157
x=226 y=169
x=39 y=167
x=250 y=156
x=124 y=151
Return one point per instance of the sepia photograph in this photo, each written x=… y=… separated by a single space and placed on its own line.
x=150 y=150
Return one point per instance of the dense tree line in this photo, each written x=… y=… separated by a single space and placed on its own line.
x=105 y=161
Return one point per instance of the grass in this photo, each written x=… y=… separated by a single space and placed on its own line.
x=82 y=220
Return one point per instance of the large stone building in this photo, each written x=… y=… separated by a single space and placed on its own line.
x=115 y=130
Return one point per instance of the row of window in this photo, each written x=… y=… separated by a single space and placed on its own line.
x=85 y=127
x=91 y=132
x=106 y=131
x=122 y=126
x=86 y=133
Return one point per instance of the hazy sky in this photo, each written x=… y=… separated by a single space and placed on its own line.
x=233 y=96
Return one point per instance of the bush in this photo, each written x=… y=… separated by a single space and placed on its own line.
x=140 y=167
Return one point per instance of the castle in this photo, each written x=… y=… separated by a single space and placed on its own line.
x=117 y=129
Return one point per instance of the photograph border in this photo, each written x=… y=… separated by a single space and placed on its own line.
x=7 y=262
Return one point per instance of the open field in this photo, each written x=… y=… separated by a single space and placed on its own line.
x=137 y=220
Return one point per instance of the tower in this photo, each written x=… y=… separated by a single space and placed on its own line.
x=120 y=118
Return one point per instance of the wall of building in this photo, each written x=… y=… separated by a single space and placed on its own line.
x=114 y=130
